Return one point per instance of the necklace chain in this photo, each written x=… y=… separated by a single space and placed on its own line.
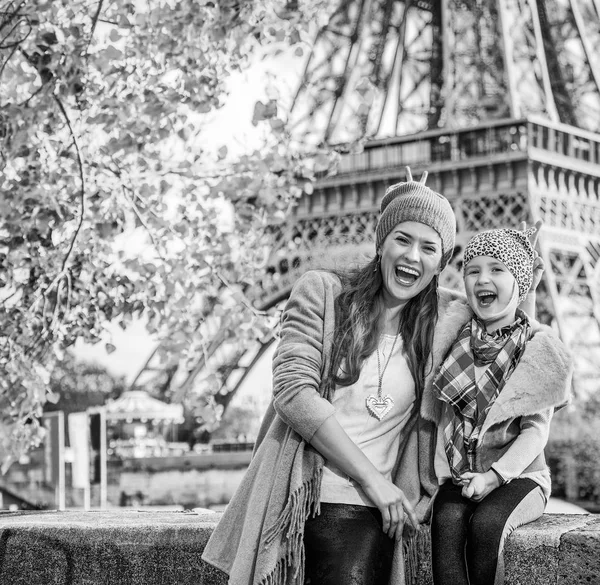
x=380 y=373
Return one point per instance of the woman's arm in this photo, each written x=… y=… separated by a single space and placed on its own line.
x=298 y=360
x=336 y=446
x=528 y=305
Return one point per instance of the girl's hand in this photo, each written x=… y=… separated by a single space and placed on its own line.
x=392 y=503
x=477 y=486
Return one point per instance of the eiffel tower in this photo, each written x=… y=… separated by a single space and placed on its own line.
x=499 y=100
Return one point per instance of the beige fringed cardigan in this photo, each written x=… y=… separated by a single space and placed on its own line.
x=259 y=540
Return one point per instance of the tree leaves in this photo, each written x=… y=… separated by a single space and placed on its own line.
x=112 y=206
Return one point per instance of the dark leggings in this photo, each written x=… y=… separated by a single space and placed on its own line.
x=346 y=545
x=466 y=535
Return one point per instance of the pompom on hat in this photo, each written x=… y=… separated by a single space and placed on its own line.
x=414 y=201
x=511 y=247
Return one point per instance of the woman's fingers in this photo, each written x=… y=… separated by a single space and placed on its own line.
x=394 y=519
x=385 y=517
x=534 y=236
x=410 y=513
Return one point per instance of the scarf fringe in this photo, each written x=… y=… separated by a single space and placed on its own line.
x=302 y=503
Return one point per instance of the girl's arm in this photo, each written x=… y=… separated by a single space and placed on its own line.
x=527 y=446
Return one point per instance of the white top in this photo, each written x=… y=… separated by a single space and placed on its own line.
x=379 y=440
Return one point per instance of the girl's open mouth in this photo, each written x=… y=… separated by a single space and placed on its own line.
x=486 y=298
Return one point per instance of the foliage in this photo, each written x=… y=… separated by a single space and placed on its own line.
x=575 y=471
x=572 y=454
x=75 y=386
x=112 y=206
x=239 y=423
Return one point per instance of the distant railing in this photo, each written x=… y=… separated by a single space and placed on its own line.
x=566 y=141
x=492 y=139
x=229 y=446
x=439 y=146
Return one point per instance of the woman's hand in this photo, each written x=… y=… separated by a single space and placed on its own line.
x=332 y=441
x=538 y=262
x=392 y=503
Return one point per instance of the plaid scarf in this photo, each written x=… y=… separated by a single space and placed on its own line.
x=471 y=400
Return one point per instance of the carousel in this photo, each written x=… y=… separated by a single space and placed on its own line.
x=139 y=425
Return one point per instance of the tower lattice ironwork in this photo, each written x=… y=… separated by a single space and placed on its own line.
x=499 y=100
x=396 y=67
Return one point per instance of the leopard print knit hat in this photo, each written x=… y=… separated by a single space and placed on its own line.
x=512 y=248
x=414 y=201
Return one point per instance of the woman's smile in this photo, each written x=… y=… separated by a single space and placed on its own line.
x=406 y=275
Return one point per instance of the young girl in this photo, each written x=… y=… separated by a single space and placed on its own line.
x=499 y=386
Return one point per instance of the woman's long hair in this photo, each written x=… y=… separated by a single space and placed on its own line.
x=358 y=309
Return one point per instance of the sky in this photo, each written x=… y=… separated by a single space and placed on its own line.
x=230 y=126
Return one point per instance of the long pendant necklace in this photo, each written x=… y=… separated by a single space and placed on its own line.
x=378 y=406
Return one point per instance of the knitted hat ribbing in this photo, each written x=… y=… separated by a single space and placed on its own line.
x=414 y=201
x=512 y=248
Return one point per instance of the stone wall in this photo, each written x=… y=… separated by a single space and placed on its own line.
x=164 y=548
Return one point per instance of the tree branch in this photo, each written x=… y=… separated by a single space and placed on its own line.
x=244 y=300
x=81 y=178
x=143 y=222
x=94 y=23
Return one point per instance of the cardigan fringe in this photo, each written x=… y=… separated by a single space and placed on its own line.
x=411 y=559
x=304 y=502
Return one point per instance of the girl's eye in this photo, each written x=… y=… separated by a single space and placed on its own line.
x=401 y=239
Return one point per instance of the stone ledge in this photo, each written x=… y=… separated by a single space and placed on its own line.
x=164 y=548
x=108 y=548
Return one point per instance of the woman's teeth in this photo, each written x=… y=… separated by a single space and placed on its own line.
x=406 y=275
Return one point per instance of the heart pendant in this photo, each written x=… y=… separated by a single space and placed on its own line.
x=379 y=406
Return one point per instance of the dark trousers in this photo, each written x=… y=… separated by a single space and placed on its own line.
x=345 y=545
x=466 y=536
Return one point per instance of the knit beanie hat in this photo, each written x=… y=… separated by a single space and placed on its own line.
x=512 y=248
x=414 y=201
